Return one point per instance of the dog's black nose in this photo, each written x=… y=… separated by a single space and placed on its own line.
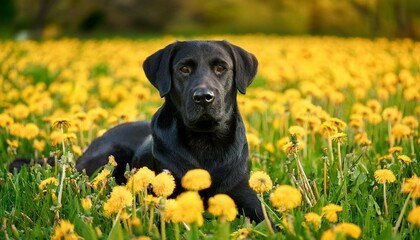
x=203 y=96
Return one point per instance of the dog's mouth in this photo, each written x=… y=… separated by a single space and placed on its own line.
x=205 y=123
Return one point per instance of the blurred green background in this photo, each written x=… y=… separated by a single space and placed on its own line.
x=361 y=18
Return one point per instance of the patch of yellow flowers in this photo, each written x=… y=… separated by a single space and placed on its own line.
x=329 y=91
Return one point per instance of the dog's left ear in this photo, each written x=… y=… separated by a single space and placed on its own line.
x=157 y=68
x=245 y=66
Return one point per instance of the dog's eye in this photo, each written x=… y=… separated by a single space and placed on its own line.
x=220 y=68
x=185 y=69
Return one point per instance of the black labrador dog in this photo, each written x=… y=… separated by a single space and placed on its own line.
x=198 y=126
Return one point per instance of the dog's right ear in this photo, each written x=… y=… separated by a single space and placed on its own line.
x=158 y=69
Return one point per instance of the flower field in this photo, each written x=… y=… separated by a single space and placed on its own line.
x=332 y=126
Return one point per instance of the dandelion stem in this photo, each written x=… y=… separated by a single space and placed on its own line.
x=385 y=203
x=340 y=165
x=162 y=220
x=391 y=139
x=306 y=184
x=152 y=212
x=412 y=146
x=62 y=140
x=267 y=220
x=163 y=229
x=305 y=138
x=116 y=219
x=325 y=178
x=176 y=231
x=316 y=190
x=330 y=146
x=63 y=175
x=397 y=225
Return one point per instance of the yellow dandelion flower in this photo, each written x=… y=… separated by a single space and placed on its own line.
x=144 y=238
x=13 y=144
x=374 y=118
x=328 y=235
x=124 y=215
x=101 y=178
x=170 y=211
x=356 y=122
x=338 y=123
x=31 y=131
x=269 y=147
x=391 y=114
x=253 y=140
x=5 y=120
x=328 y=128
x=190 y=208
x=16 y=129
x=298 y=131
x=412 y=185
x=77 y=150
x=414 y=216
x=46 y=182
x=289 y=148
x=70 y=137
x=101 y=132
x=314 y=219
x=120 y=198
x=374 y=105
x=330 y=212
x=61 y=123
x=20 y=111
x=404 y=158
x=221 y=205
x=39 y=145
x=384 y=176
x=163 y=184
x=97 y=113
x=243 y=233
x=55 y=138
x=400 y=131
x=135 y=222
x=411 y=122
x=53 y=196
x=282 y=141
x=152 y=200
x=86 y=203
x=260 y=182
x=349 y=230
x=111 y=161
x=384 y=158
x=98 y=232
x=362 y=139
x=395 y=150
x=81 y=116
x=196 y=180
x=285 y=197
x=314 y=122
x=339 y=137
x=64 y=230
x=140 y=180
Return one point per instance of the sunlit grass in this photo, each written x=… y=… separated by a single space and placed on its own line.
x=324 y=115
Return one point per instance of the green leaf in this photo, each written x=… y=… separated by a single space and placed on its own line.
x=84 y=230
x=387 y=234
x=116 y=232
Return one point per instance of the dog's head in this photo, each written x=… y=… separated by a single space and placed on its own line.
x=201 y=78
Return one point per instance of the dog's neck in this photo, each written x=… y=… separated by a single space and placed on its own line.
x=217 y=144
